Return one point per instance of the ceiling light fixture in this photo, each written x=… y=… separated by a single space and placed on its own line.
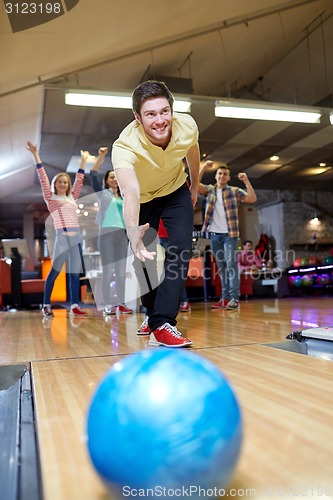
x=253 y=110
x=314 y=219
x=182 y=106
x=98 y=100
x=120 y=100
x=314 y=171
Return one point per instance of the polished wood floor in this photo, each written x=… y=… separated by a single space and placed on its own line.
x=286 y=398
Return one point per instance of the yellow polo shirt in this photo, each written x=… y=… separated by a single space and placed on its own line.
x=159 y=172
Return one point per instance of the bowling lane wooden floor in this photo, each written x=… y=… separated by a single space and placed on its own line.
x=286 y=398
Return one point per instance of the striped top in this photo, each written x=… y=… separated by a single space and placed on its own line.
x=62 y=208
x=231 y=197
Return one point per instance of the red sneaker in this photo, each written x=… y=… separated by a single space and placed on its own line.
x=184 y=307
x=124 y=310
x=77 y=311
x=168 y=336
x=144 y=328
x=221 y=304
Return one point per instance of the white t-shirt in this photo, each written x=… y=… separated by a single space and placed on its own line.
x=219 y=221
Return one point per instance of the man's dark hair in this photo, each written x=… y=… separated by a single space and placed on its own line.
x=223 y=166
x=149 y=90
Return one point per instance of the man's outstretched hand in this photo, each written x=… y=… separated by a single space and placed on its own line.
x=135 y=235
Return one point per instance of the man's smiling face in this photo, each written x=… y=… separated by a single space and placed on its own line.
x=222 y=177
x=156 y=120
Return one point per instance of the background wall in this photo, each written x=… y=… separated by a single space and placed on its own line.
x=249 y=223
x=286 y=217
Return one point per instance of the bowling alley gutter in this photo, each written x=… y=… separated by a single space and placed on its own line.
x=20 y=476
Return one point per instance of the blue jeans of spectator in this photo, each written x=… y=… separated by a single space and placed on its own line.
x=113 y=245
x=176 y=211
x=225 y=252
x=67 y=248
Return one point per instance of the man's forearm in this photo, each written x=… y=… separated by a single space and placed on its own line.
x=251 y=195
x=193 y=160
x=194 y=174
x=130 y=191
x=131 y=209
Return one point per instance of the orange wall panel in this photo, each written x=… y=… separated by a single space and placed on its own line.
x=59 y=293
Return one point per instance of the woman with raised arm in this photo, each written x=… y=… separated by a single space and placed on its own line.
x=60 y=197
x=112 y=238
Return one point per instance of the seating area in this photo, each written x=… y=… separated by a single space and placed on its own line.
x=203 y=279
x=245 y=285
x=19 y=289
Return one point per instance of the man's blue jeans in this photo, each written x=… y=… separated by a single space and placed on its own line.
x=225 y=252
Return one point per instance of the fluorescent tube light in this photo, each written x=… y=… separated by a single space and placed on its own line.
x=182 y=106
x=98 y=100
x=265 y=111
x=106 y=100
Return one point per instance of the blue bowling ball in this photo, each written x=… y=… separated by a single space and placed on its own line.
x=164 y=419
x=298 y=281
